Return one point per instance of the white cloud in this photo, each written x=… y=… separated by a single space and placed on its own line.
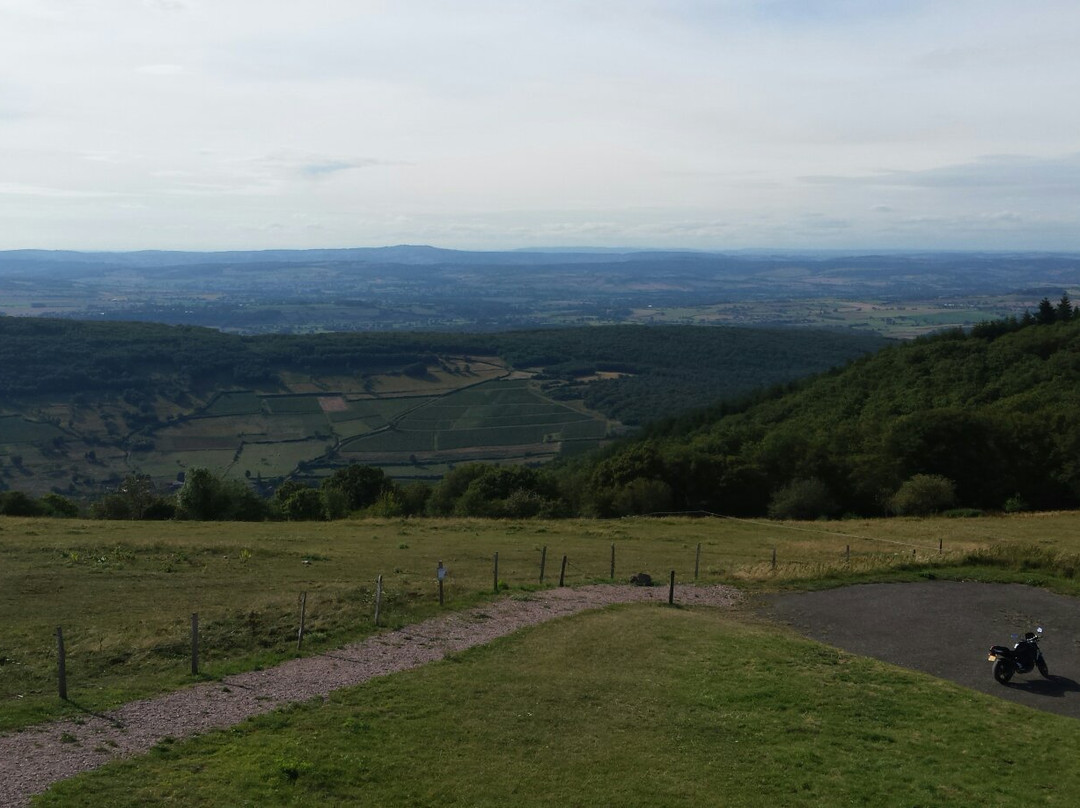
x=161 y=70
x=166 y=5
x=1035 y=177
x=480 y=123
x=18 y=189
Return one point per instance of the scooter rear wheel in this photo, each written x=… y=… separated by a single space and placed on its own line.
x=1003 y=671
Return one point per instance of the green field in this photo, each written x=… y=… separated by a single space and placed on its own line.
x=245 y=433
x=15 y=430
x=282 y=405
x=124 y=591
x=635 y=705
x=494 y=414
x=244 y=402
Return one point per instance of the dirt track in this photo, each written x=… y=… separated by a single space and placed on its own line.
x=944 y=628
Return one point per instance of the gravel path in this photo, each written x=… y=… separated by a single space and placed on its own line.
x=33 y=759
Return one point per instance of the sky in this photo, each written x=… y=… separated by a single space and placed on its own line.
x=499 y=124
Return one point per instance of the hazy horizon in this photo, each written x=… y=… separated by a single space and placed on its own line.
x=714 y=125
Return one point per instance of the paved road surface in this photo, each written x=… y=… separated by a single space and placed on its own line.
x=945 y=628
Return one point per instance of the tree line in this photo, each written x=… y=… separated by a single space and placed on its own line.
x=471 y=490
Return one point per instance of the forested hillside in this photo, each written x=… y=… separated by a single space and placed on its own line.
x=985 y=420
x=84 y=405
x=656 y=372
x=653 y=371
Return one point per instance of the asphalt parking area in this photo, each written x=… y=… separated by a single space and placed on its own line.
x=945 y=628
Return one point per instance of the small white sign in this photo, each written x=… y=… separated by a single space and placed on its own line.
x=441 y=572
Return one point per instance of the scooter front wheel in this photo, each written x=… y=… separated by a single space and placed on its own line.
x=1041 y=664
x=1003 y=671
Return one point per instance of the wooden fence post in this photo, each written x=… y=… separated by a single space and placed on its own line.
x=303 y=615
x=562 y=572
x=671 y=590
x=697 y=561
x=496 y=573
x=774 y=558
x=440 y=573
x=613 y=561
x=378 y=598
x=543 y=561
x=194 y=643
x=847 y=555
x=940 y=545
x=61 y=664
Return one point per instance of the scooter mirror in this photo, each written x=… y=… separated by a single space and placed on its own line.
x=1039 y=629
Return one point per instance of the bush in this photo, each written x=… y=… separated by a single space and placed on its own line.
x=922 y=495
x=414 y=498
x=387 y=506
x=205 y=497
x=303 y=504
x=361 y=485
x=641 y=496
x=803 y=499
x=16 y=503
x=1016 y=504
x=58 y=506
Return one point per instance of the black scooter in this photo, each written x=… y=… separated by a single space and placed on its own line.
x=1021 y=658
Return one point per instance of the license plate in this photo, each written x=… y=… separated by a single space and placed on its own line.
x=991 y=658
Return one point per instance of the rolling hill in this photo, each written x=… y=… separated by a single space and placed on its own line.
x=84 y=404
x=995 y=412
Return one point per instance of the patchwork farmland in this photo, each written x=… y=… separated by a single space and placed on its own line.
x=414 y=427
x=507 y=420
x=244 y=434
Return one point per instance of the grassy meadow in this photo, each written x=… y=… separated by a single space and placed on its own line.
x=633 y=706
x=124 y=591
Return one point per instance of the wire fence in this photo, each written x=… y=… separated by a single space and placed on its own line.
x=226 y=640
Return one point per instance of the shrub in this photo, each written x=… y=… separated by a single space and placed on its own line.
x=1016 y=504
x=641 y=496
x=922 y=495
x=803 y=499
x=204 y=497
x=16 y=503
x=387 y=506
x=59 y=506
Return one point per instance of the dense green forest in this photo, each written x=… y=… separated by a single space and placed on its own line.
x=988 y=419
x=664 y=369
